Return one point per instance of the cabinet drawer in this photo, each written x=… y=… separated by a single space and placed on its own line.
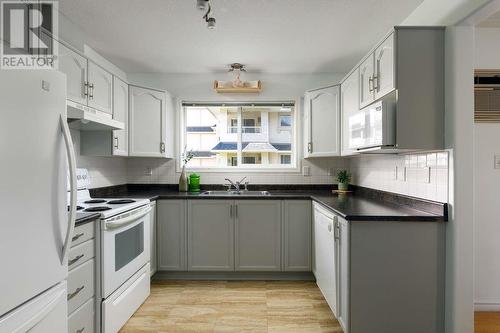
x=81 y=253
x=83 y=233
x=80 y=285
x=82 y=320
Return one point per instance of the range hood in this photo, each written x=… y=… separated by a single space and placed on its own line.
x=84 y=118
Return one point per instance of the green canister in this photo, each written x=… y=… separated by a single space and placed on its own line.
x=194 y=182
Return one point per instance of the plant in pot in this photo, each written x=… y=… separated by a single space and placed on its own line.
x=343 y=179
x=183 y=181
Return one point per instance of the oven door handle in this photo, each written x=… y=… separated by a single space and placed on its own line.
x=126 y=220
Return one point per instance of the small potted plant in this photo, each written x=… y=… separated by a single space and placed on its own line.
x=183 y=181
x=343 y=179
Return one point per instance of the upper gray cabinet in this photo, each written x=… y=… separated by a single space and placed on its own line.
x=349 y=99
x=120 y=113
x=147 y=122
x=100 y=89
x=401 y=92
x=87 y=83
x=322 y=122
x=376 y=73
x=383 y=79
x=75 y=67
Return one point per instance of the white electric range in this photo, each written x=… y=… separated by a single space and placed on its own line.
x=124 y=248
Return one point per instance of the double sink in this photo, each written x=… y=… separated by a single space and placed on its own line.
x=243 y=193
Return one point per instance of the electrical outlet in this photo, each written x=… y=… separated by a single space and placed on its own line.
x=148 y=171
x=331 y=171
x=497 y=161
x=306 y=170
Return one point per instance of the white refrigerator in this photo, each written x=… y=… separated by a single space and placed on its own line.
x=36 y=156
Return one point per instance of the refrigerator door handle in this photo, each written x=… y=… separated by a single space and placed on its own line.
x=72 y=178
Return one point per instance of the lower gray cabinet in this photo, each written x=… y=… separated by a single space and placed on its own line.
x=171 y=235
x=210 y=235
x=297 y=228
x=257 y=235
x=152 y=237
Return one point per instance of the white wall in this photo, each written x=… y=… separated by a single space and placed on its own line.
x=199 y=87
x=459 y=106
x=486 y=185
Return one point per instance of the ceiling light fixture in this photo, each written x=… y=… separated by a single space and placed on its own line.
x=205 y=4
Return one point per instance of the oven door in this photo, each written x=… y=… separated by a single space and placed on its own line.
x=125 y=247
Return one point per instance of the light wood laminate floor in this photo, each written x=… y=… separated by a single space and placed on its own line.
x=233 y=306
x=487 y=322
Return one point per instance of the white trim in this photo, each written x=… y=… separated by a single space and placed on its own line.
x=487 y=305
x=296 y=152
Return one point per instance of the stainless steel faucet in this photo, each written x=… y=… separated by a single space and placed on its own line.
x=237 y=184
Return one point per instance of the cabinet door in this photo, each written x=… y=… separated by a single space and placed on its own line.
x=325 y=255
x=324 y=122
x=297 y=235
x=75 y=67
x=349 y=92
x=100 y=89
x=384 y=68
x=120 y=113
x=343 y=274
x=366 y=70
x=210 y=235
x=307 y=125
x=258 y=235
x=171 y=235
x=147 y=122
x=153 y=239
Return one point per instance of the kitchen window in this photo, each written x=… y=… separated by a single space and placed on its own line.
x=237 y=136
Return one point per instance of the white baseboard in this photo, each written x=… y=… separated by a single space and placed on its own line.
x=487 y=305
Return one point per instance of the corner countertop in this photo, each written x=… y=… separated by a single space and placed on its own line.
x=357 y=206
x=82 y=217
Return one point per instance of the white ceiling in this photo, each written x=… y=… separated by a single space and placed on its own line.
x=273 y=36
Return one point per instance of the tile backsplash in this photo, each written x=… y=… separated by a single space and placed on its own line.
x=103 y=171
x=422 y=175
x=146 y=170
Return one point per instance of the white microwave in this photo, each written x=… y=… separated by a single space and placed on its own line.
x=373 y=128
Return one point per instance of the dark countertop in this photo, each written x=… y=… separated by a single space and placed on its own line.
x=82 y=217
x=358 y=206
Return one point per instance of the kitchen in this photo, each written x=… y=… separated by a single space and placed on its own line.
x=283 y=185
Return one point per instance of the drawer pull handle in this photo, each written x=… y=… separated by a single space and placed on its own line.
x=75 y=237
x=80 y=330
x=76 y=292
x=75 y=259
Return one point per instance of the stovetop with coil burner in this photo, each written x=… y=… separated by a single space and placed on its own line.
x=106 y=207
